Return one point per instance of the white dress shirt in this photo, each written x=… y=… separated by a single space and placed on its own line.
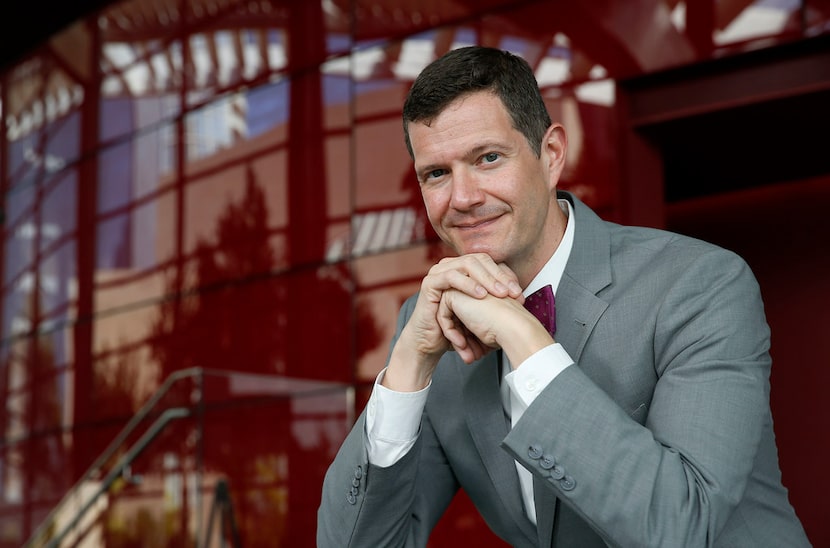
x=393 y=418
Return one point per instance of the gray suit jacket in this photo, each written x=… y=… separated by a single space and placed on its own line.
x=659 y=435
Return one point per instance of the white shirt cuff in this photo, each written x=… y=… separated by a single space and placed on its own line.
x=393 y=420
x=535 y=373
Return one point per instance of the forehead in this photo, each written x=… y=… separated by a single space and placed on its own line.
x=467 y=121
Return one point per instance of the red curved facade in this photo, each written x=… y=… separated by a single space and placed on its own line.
x=209 y=221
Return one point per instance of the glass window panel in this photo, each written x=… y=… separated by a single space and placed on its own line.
x=241 y=206
x=390 y=212
x=125 y=116
x=57 y=264
x=50 y=390
x=57 y=279
x=233 y=44
x=11 y=491
x=58 y=214
x=384 y=173
x=115 y=172
x=16 y=306
x=337 y=95
x=125 y=371
x=141 y=239
x=19 y=205
x=48 y=464
x=56 y=297
x=23 y=178
x=261 y=324
x=41 y=115
x=17 y=392
x=37 y=397
x=266 y=108
x=140 y=66
x=62 y=147
x=135 y=169
x=121 y=288
x=19 y=250
x=134 y=176
x=113 y=243
x=158 y=245
x=215 y=127
x=216 y=198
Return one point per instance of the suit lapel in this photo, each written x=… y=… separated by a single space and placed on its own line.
x=577 y=312
x=587 y=272
x=485 y=417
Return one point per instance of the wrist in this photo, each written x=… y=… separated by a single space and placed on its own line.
x=524 y=338
x=408 y=370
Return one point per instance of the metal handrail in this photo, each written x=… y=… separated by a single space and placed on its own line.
x=41 y=534
x=126 y=459
x=116 y=443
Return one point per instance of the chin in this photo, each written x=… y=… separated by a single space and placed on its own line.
x=494 y=254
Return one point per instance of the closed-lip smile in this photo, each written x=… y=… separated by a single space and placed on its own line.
x=476 y=223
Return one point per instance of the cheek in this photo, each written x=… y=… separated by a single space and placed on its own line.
x=435 y=206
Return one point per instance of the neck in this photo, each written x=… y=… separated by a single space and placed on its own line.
x=529 y=269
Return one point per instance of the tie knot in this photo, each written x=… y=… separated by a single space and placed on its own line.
x=540 y=303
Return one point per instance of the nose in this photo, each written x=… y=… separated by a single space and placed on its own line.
x=466 y=192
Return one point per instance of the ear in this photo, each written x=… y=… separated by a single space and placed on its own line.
x=554 y=151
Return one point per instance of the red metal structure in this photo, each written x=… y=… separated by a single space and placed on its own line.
x=209 y=221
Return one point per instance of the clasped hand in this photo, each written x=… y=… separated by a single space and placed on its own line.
x=469 y=304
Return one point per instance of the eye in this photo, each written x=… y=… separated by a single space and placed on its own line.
x=490 y=157
x=434 y=174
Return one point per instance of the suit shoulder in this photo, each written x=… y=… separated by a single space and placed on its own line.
x=658 y=245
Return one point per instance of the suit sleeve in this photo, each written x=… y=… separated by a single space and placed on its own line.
x=674 y=480
x=367 y=505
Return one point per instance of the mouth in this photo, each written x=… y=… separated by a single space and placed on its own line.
x=476 y=223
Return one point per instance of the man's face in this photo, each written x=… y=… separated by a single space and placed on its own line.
x=484 y=189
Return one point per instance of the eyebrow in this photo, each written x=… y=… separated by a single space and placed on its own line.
x=477 y=151
x=474 y=152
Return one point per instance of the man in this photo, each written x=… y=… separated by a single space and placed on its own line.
x=640 y=419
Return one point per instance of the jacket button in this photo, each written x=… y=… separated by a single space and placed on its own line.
x=547 y=462
x=534 y=451
x=351 y=498
x=567 y=483
x=557 y=472
x=358 y=472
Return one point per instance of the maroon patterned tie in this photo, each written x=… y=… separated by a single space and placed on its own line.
x=541 y=304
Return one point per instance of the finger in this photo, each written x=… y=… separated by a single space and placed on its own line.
x=497 y=279
x=482 y=275
x=462 y=340
x=478 y=349
x=448 y=275
x=515 y=290
x=472 y=349
x=451 y=327
x=453 y=331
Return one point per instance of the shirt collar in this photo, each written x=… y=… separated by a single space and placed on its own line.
x=552 y=272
